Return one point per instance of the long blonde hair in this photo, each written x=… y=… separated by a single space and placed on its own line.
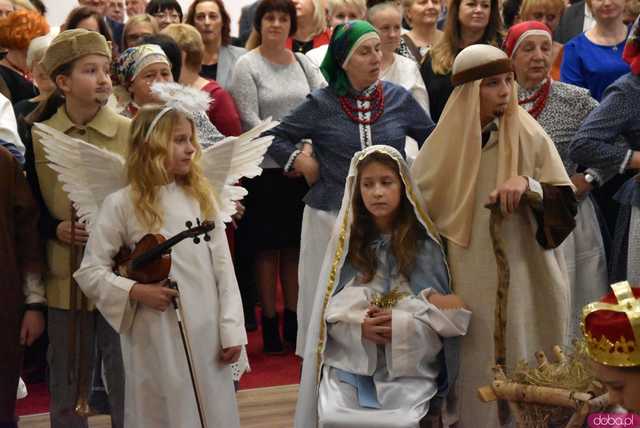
x=319 y=18
x=146 y=169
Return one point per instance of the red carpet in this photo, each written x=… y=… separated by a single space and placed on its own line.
x=266 y=371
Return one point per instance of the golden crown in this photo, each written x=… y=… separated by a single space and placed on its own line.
x=612 y=330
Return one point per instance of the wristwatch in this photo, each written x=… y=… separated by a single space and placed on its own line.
x=591 y=179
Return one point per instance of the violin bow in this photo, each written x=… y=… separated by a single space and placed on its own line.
x=186 y=343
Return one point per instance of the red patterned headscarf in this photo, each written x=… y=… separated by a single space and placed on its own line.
x=631 y=52
x=519 y=32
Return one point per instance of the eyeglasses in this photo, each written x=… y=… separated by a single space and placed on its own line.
x=170 y=15
x=134 y=39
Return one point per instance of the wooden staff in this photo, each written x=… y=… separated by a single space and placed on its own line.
x=502 y=296
x=583 y=402
x=79 y=353
x=597 y=404
x=73 y=303
x=545 y=395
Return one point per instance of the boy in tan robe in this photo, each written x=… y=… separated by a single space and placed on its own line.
x=487 y=150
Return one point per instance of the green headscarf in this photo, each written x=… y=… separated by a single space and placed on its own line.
x=344 y=40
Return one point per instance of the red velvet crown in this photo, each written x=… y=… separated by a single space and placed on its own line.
x=611 y=327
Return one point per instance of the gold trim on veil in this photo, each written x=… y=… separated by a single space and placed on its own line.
x=338 y=246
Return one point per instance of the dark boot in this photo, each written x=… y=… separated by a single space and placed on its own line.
x=290 y=327
x=7 y=424
x=272 y=344
x=250 y=322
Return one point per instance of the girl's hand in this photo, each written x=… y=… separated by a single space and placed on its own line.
x=308 y=167
x=230 y=355
x=376 y=326
x=509 y=194
x=449 y=301
x=63 y=233
x=154 y=295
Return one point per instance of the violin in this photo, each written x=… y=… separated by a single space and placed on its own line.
x=150 y=260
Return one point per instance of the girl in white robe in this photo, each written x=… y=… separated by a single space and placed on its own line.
x=375 y=356
x=166 y=189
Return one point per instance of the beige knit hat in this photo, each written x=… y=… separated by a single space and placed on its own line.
x=477 y=62
x=72 y=44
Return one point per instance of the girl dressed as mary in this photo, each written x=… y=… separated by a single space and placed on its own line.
x=381 y=342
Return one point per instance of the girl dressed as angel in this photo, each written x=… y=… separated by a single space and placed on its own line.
x=165 y=188
x=378 y=350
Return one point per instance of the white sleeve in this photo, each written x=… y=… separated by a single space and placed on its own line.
x=416 y=333
x=349 y=351
x=95 y=277
x=33 y=288
x=231 y=323
x=419 y=90
x=8 y=124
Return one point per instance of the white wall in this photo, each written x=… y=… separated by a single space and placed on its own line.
x=58 y=10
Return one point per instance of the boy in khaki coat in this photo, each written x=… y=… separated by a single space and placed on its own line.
x=79 y=62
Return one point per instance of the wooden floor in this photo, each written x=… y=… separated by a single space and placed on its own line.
x=262 y=407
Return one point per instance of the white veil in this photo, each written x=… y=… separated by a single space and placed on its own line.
x=307 y=405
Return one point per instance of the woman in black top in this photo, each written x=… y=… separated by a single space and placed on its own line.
x=468 y=22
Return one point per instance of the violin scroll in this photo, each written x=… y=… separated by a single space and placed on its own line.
x=201 y=228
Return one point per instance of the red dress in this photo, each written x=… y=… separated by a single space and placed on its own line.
x=321 y=39
x=222 y=113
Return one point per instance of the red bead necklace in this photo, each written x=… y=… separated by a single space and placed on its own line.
x=25 y=74
x=376 y=106
x=539 y=99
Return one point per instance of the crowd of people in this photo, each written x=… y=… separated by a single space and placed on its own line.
x=447 y=187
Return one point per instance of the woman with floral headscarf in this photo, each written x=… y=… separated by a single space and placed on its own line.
x=136 y=69
x=355 y=111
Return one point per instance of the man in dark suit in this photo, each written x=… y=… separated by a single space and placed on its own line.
x=116 y=31
x=101 y=6
x=115 y=10
x=246 y=22
x=572 y=22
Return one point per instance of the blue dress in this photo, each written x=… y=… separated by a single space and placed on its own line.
x=592 y=66
x=336 y=138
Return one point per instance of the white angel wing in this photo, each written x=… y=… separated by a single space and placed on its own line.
x=226 y=162
x=88 y=173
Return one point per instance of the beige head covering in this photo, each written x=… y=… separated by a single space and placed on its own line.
x=447 y=166
x=71 y=45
